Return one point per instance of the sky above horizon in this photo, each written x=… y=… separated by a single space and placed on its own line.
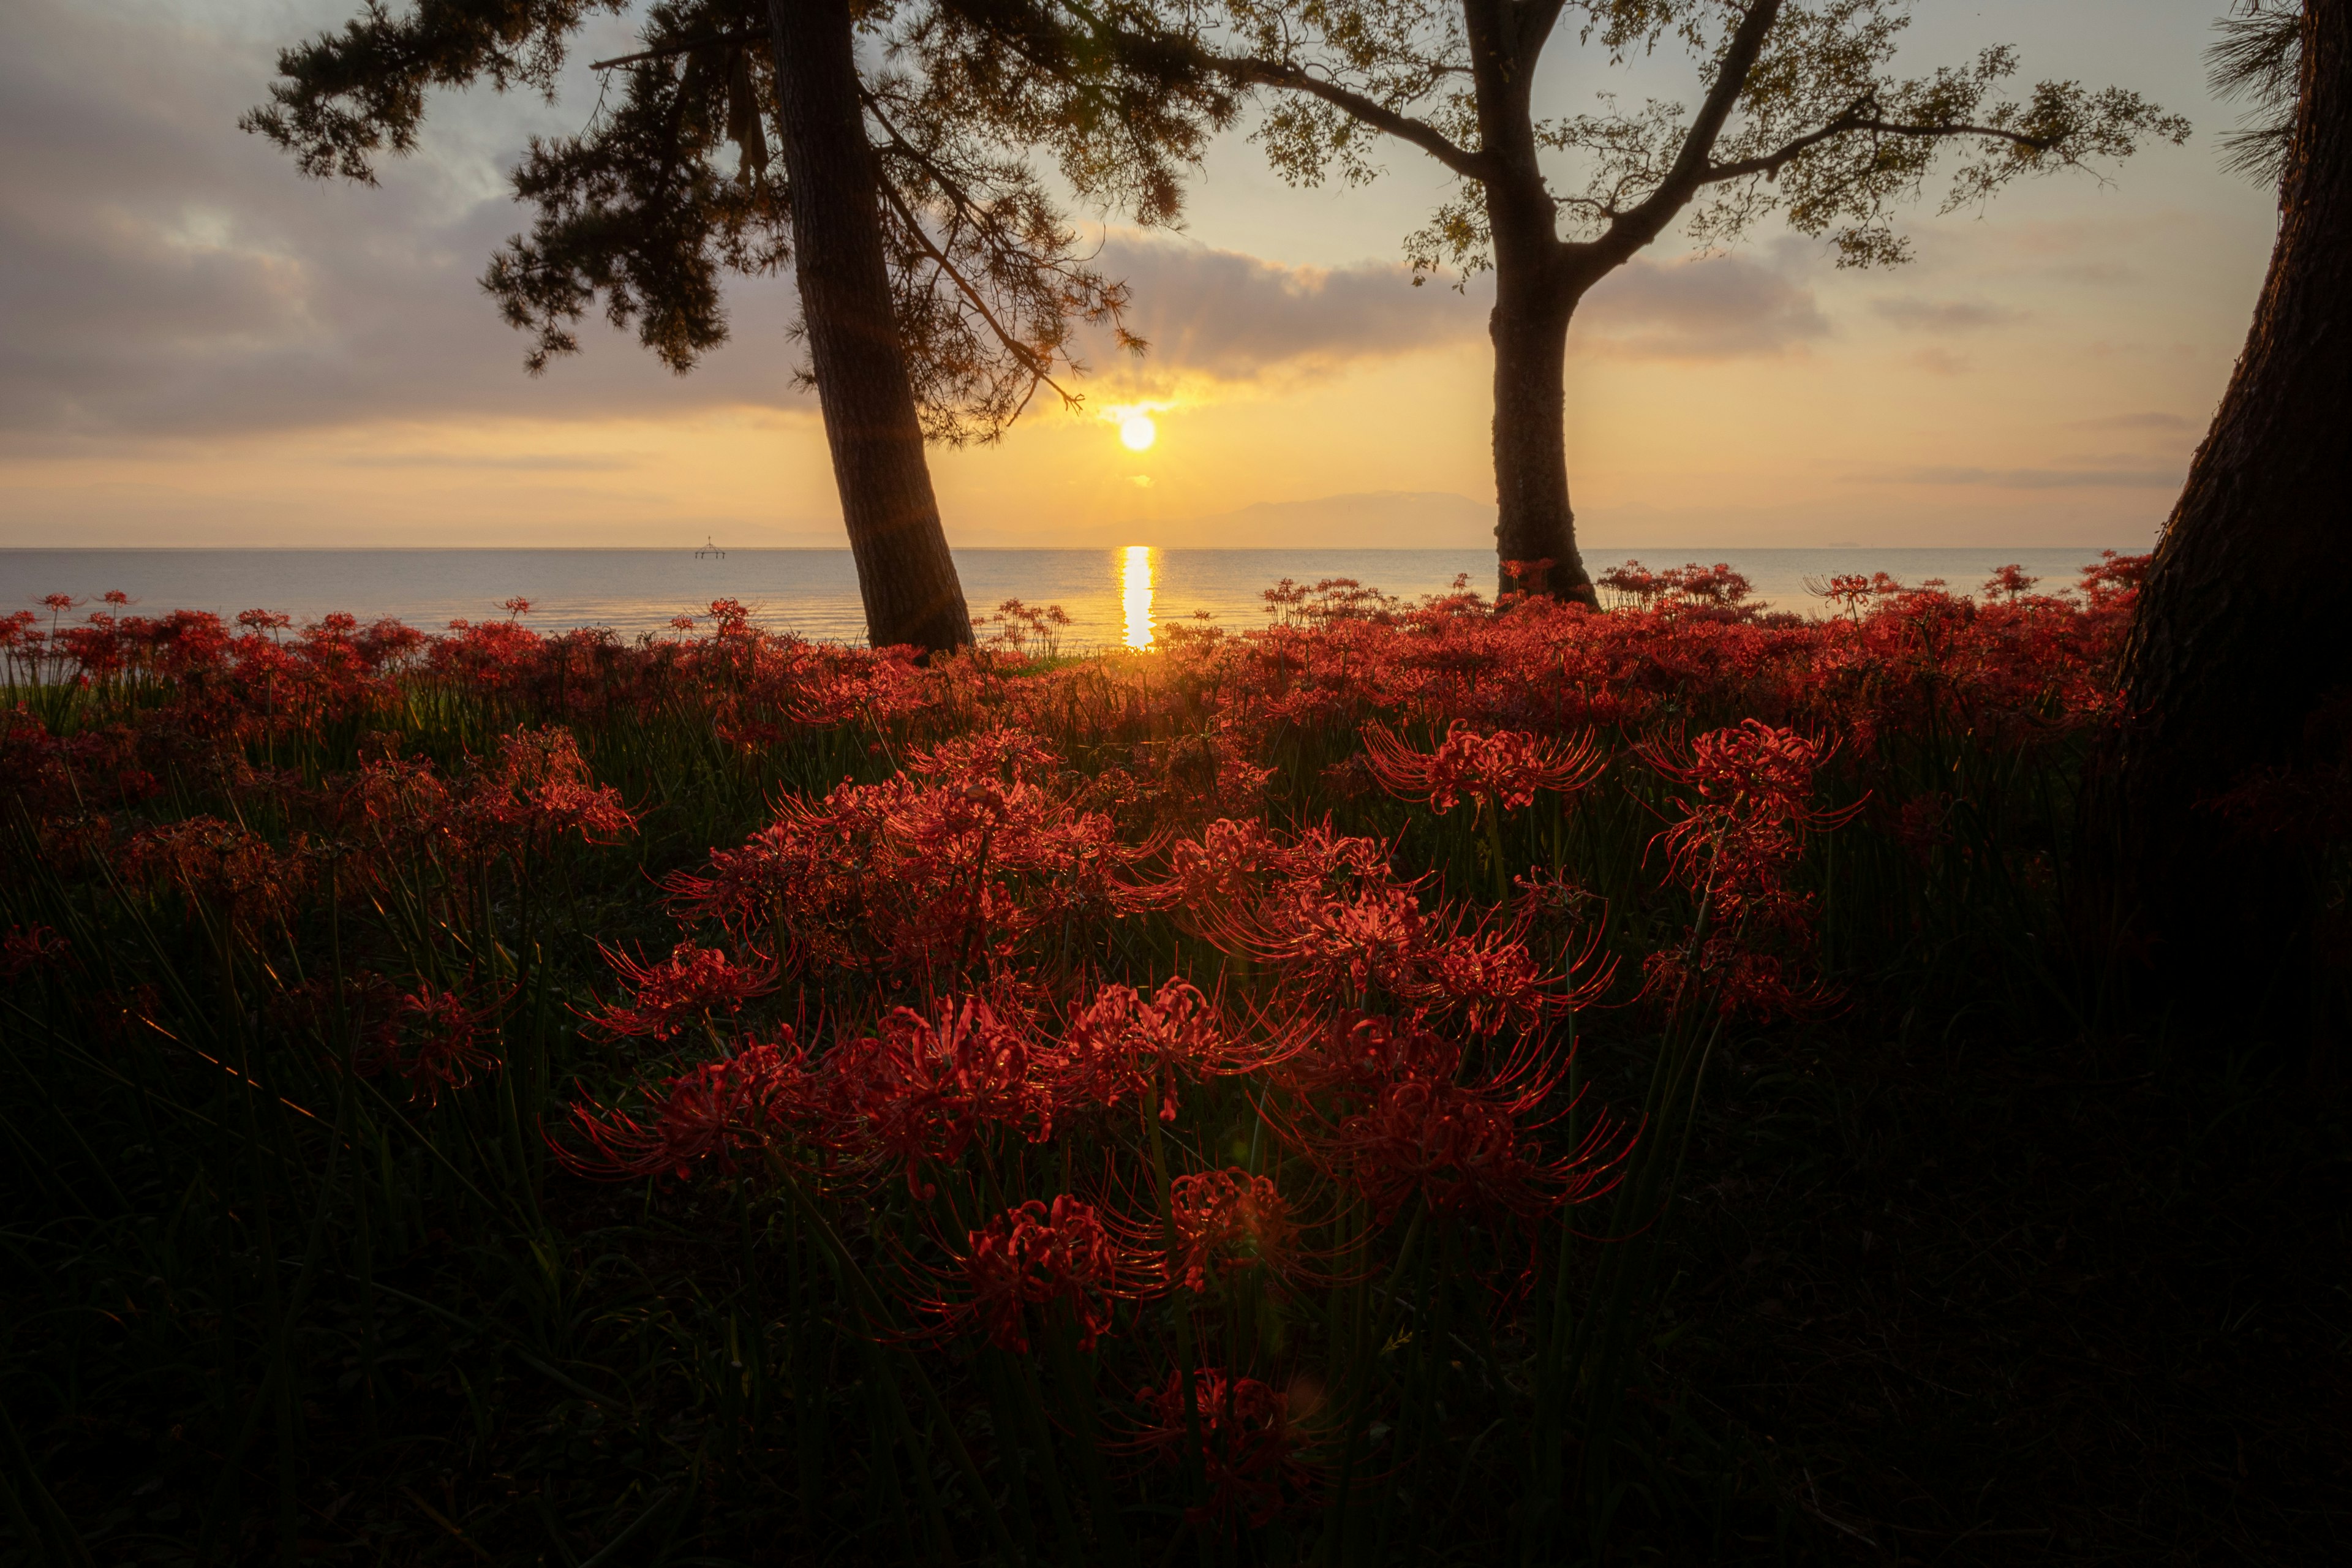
x=206 y=349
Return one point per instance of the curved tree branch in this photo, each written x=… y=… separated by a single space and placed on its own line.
x=1772 y=163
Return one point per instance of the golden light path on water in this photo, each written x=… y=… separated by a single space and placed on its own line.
x=1134 y=595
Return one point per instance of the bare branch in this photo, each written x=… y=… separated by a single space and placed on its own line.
x=1772 y=163
x=1371 y=112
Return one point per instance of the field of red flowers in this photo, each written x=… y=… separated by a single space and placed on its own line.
x=729 y=1099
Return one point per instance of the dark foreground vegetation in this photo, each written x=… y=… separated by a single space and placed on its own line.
x=1413 y=1083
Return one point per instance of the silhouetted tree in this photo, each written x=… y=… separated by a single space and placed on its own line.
x=2239 y=646
x=1801 y=114
x=939 y=284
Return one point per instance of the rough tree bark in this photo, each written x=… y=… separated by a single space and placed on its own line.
x=1534 y=522
x=905 y=573
x=2240 y=633
x=1534 y=295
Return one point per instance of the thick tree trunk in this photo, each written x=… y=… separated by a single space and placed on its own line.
x=1534 y=522
x=2239 y=632
x=904 y=571
x=1533 y=295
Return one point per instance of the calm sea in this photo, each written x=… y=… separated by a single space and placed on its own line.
x=1111 y=596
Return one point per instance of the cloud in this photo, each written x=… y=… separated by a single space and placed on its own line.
x=164 y=274
x=1699 y=308
x=1937 y=360
x=1236 y=317
x=521 y=462
x=1917 y=315
x=2149 y=419
x=2039 y=478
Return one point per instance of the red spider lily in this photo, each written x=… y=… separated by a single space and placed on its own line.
x=743 y=1101
x=1038 y=1254
x=24 y=948
x=443 y=1037
x=1249 y=1442
x=1123 y=1043
x=949 y=865
x=1463 y=1149
x=1228 y=1221
x=1403 y=1126
x=1692 y=587
x=1763 y=986
x=1231 y=862
x=1356 y=1054
x=1504 y=770
x=688 y=986
x=1376 y=942
x=221 y=866
x=1487 y=979
x=543 y=789
x=920 y=1089
x=1328 y=945
x=1739 y=829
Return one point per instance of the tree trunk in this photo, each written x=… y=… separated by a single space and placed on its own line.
x=904 y=571
x=1534 y=294
x=1534 y=522
x=2239 y=635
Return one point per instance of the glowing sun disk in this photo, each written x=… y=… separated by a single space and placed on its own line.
x=1138 y=432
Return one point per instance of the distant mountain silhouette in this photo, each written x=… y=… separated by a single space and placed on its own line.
x=1371 y=519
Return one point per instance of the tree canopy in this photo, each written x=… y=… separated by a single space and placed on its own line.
x=1803 y=112
x=673 y=187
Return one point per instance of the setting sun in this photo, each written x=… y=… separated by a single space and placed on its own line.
x=1138 y=432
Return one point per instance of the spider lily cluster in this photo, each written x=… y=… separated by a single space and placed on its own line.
x=1161 y=1072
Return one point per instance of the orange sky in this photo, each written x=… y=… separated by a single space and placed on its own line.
x=210 y=350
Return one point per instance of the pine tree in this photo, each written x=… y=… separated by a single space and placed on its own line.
x=940 y=284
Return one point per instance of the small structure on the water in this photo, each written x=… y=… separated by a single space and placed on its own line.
x=710 y=547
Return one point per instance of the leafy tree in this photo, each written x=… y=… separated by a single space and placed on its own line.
x=2237 y=671
x=1801 y=114
x=939 y=284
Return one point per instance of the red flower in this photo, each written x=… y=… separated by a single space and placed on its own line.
x=1458 y=1149
x=26 y=948
x=1037 y=1254
x=443 y=1037
x=1229 y=1220
x=1123 y=1043
x=1740 y=825
x=544 y=788
x=745 y=1100
x=1249 y=1446
x=921 y=1089
x=221 y=866
x=688 y=986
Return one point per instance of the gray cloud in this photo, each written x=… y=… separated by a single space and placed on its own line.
x=1702 y=307
x=1919 y=315
x=1234 y=316
x=164 y=273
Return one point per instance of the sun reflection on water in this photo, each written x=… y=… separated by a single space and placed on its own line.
x=1134 y=595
